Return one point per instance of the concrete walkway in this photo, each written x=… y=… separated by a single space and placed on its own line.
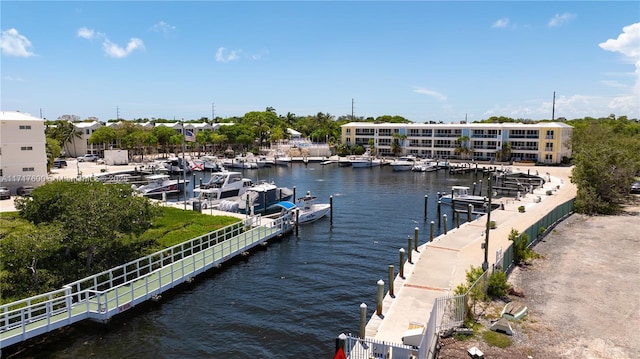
x=440 y=266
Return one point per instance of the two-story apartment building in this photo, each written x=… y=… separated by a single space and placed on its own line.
x=23 y=157
x=545 y=142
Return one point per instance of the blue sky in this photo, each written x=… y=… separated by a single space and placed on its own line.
x=423 y=60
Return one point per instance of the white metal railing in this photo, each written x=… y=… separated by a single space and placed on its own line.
x=108 y=293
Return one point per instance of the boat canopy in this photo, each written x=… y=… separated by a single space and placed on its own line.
x=286 y=205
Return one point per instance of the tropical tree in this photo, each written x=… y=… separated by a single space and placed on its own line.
x=505 y=152
x=53 y=151
x=104 y=135
x=463 y=148
x=89 y=229
x=396 y=143
x=163 y=134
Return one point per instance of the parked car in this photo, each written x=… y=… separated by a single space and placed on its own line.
x=5 y=193
x=88 y=158
x=58 y=163
x=635 y=187
x=24 y=190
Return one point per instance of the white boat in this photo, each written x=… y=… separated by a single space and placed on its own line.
x=239 y=162
x=263 y=161
x=262 y=198
x=460 y=194
x=282 y=160
x=308 y=211
x=211 y=164
x=404 y=163
x=365 y=161
x=159 y=184
x=225 y=185
x=425 y=166
x=176 y=165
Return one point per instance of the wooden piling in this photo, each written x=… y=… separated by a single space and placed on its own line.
x=401 y=265
x=415 y=236
x=426 y=201
x=409 y=249
x=431 y=231
x=391 y=275
x=380 y=297
x=444 y=216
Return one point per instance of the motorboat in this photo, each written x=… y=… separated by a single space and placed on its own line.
x=404 y=163
x=282 y=160
x=160 y=184
x=176 y=165
x=263 y=161
x=460 y=194
x=262 y=198
x=211 y=164
x=225 y=185
x=425 y=166
x=240 y=163
x=309 y=211
x=365 y=161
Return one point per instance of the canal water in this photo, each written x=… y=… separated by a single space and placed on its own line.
x=292 y=299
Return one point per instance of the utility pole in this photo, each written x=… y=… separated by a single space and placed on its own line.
x=553 y=107
x=213 y=112
x=117 y=113
x=351 y=109
x=485 y=264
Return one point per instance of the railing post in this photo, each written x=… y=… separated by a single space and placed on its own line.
x=380 y=297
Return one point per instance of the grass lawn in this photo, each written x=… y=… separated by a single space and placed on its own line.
x=176 y=226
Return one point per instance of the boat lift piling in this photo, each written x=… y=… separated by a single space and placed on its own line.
x=426 y=200
x=331 y=211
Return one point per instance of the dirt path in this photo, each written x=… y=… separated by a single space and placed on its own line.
x=583 y=295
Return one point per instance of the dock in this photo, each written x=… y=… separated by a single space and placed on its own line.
x=438 y=267
x=107 y=294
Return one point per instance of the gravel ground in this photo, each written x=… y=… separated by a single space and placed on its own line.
x=582 y=294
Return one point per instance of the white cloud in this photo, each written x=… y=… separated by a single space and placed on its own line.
x=14 y=44
x=423 y=91
x=110 y=48
x=163 y=27
x=627 y=44
x=85 y=33
x=560 y=19
x=222 y=55
x=116 y=51
x=501 y=23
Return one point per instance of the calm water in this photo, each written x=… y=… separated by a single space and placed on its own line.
x=292 y=299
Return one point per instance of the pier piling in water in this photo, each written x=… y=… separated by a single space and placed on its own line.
x=380 y=297
x=415 y=236
x=401 y=266
x=363 y=322
x=391 y=275
x=409 y=249
x=444 y=216
x=433 y=224
x=426 y=201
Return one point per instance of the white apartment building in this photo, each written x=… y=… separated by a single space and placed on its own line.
x=80 y=145
x=23 y=157
x=544 y=142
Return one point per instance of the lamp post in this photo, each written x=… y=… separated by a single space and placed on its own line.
x=485 y=264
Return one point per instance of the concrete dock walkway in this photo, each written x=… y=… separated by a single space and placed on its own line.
x=440 y=266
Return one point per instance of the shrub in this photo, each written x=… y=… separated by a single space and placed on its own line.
x=492 y=224
x=549 y=192
x=498 y=284
x=521 y=209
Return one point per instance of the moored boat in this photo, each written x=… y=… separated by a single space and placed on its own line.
x=404 y=163
x=160 y=184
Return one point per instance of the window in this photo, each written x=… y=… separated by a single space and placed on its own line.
x=26 y=148
x=28 y=169
x=25 y=127
x=549 y=135
x=548 y=146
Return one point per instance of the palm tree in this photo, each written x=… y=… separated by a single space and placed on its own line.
x=463 y=148
x=396 y=145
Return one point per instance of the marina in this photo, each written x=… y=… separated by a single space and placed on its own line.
x=293 y=291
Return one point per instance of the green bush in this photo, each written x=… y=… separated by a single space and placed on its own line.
x=498 y=284
x=521 y=209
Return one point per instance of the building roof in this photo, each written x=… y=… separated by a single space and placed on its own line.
x=17 y=116
x=87 y=124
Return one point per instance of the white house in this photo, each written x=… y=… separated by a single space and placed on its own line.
x=23 y=158
x=81 y=146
